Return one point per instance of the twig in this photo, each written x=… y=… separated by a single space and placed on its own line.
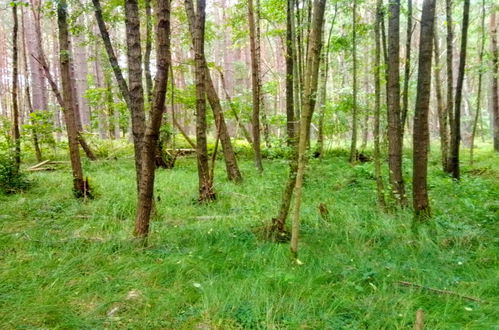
x=409 y=284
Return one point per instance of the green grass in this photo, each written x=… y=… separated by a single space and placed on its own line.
x=71 y=264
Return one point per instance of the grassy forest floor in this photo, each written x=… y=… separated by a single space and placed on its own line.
x=71 y=264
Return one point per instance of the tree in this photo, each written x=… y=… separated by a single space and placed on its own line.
x=290 y=112
x=256 y=84
x=380 y=189
x=450 y=74
x=147 y=175
x=407 y=69
x=310 y=89
x=393 y=91
x=494 y=78
x=456 y=122
x=353 y=146
x=15 y=105
x=80 y=187
x=421 y=139
x=206 y=192
x=441 y=109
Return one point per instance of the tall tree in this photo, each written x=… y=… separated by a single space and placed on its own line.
x=206 y=192
x=80 y=187
x=393 y=90
x=380 y=189
x=310 y=89
x=456 y=123
x=233 y=172
x=443 y=127
x=353 y=145
x=407 y=69
x=421 y=139
x=450 y=72
x=15 y=102
x=255 y=83
x=290 y=112
x=494 y=78
x=478 y=103
x=163 y=62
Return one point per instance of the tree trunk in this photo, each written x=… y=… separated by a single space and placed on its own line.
x=442 y=111
x=147 y=53
x=456 y=123
x=393 y=90
x=450 y=74
x=290 y=112
x=15 y=105
x=421 y=132
x=79 y=186
x=310 y=84
x=479 y=92
x=163 y=59
x=222 y=132
x=407 y=70
x=256 y=85
x=206 y=192
x=494 y=85
x=353 y=145
x=380 y=189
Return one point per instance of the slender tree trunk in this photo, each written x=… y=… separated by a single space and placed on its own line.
x=421 y=132
x=353 y=145
x=222 y=132
x=163 y=59
x=147 y=53
x=393 y=90
x=456 y=124
x=206 y=192
x=479 y=92
x=494 y=84
x=79 y=186
x=311 y=80
x=290 y=111
x=15 y=105
x=256 y=85
x=36 y=144
x=407 y=70
x=450 y=74
x=442 y=111
x=380 y=189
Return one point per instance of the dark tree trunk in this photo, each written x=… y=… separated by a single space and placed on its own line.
x=393 y=90
x=163 y=59
x=15 y=105
x=256 y=85
x=456 y=123
x=421 y=132
x=450 y=73
x=147 y=53
x=407 y=70
x=79 y=186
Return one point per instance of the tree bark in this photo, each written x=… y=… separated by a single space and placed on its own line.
x=353 y=145
x=421 y=138
x=393 y=90
x=479 y=92
x=310 y=84
x=450 y=73
x=79 y=186
x=442 y=110
x=15 y=102
x=163 y=62
x=222 y=132
x=380 y=189
x=407 y=70
x=256 y=85
x=456 y=123
x=290 y=112
x=494 y=84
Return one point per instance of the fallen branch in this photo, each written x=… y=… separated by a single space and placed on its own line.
x=38 y=165
x=409 y=284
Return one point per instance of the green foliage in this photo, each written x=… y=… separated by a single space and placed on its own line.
x=12 y=180
x=41 y=123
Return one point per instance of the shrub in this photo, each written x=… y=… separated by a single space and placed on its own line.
x=11 y=179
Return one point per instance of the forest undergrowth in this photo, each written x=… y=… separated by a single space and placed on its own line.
x=66 y=263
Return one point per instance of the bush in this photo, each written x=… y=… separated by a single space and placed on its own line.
x=11 y=179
